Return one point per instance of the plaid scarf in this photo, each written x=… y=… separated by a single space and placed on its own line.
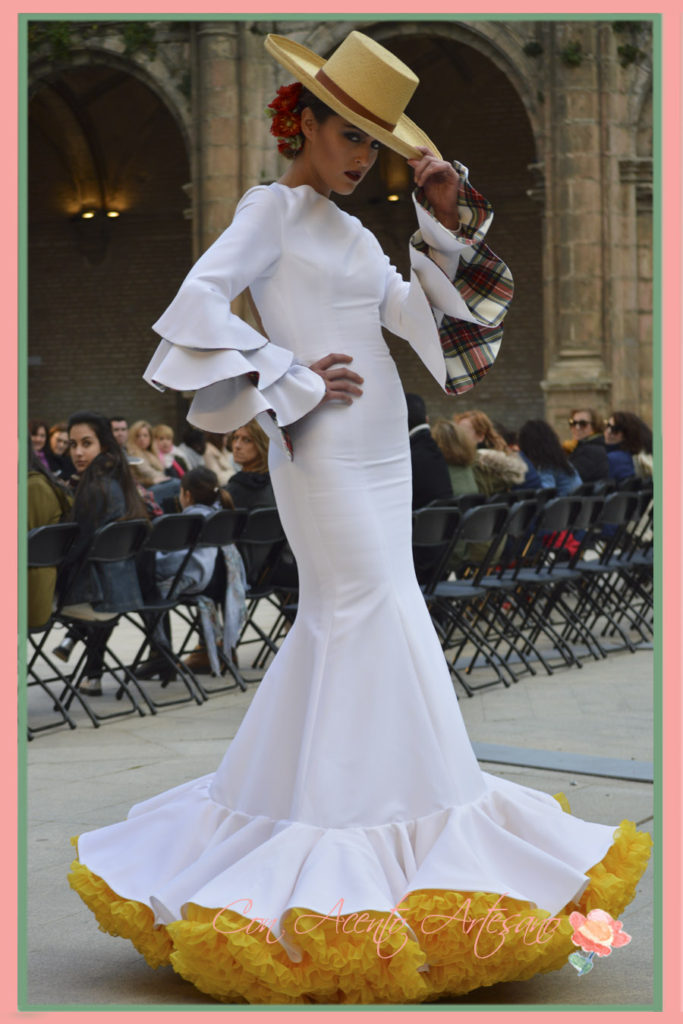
x=485 y=284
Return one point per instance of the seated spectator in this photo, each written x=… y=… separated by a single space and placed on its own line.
x=431 y=479
x=57 y=452
x=217 y=457
x=459 y=450
x=200 y=494
x=642 y=460
x=587 y=449
x=541 y=445
x=119 y=428
x=166 y=451
x=496 y=468
x=149 y=470
x=192 y=446
x=250 y=486
x=48 y=502
x=106 y=493
x=38 y=432
x=623 y=442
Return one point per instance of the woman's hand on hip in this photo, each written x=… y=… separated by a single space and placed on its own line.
x=341 y=384
x=441 y=185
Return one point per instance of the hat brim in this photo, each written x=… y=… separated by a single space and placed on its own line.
x=304 y=64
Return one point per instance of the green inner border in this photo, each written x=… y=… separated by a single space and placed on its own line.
x=656 y=19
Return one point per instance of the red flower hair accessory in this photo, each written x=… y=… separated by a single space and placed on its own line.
x=285 y=117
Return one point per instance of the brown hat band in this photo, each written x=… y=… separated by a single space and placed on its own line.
x=349 y=102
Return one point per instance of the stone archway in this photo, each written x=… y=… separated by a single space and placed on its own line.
x=469 y=106
x=101 y=142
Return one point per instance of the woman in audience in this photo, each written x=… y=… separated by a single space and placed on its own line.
x=460 y=451
x=38 y=432
x=166 y=451
x=250 y=486
x=48 y=502
x=149 y=471
x=495 y=467
x=539 y=442
x=587 y=448
x=217 y=457
x=106 y=493
x=57 y=452
x=623 y=441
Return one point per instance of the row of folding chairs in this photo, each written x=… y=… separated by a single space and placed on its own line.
x=260 y=540
x=541 y=581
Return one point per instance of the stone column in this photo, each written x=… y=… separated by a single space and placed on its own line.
x=578 y=186
x=216 y=168
x=233 y=80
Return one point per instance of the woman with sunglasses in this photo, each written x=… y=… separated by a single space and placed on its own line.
x=623 y=441
x=588 y=457
x=349 y=814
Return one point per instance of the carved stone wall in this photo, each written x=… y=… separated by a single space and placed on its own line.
x=555 y=120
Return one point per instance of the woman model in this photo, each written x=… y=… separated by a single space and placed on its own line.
x=349 y=811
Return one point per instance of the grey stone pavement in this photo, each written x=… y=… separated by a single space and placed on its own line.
x=594 y=724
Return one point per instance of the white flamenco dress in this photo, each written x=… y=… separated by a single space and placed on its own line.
x=349 y=834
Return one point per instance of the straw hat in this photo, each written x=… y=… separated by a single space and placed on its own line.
x=363 y=82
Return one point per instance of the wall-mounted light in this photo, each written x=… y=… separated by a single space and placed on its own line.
x=92 y=226
x=89 y=213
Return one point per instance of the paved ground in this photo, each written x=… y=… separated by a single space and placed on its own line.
x=87 y=777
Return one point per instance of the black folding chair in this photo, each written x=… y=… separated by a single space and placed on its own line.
x=608 y=581
x=119 y=541
x=220 y=529
x=174 y=532
x=461 y=602
x=48 y=546
x=262 y=544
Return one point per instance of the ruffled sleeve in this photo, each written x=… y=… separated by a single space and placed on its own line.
x=452 y=309
x=236 y=372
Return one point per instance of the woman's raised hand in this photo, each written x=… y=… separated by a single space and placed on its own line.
x=341 y=384
x=441 y=185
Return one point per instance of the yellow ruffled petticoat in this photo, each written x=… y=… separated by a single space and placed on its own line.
x=466 y=940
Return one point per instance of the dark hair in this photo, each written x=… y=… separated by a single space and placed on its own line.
x=540 y=443
x=194 y=438
x=417 y=410
x=646 y=436
x=219 y=441
x=110 y=464
x=34 y=425
x=631 y=426
x=118 y=419
x=202 y=486
x=509 y=436
x=321 y=111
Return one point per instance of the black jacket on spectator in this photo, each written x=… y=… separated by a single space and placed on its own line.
x=589 y=458
x=251 y=490
x=431 y=478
